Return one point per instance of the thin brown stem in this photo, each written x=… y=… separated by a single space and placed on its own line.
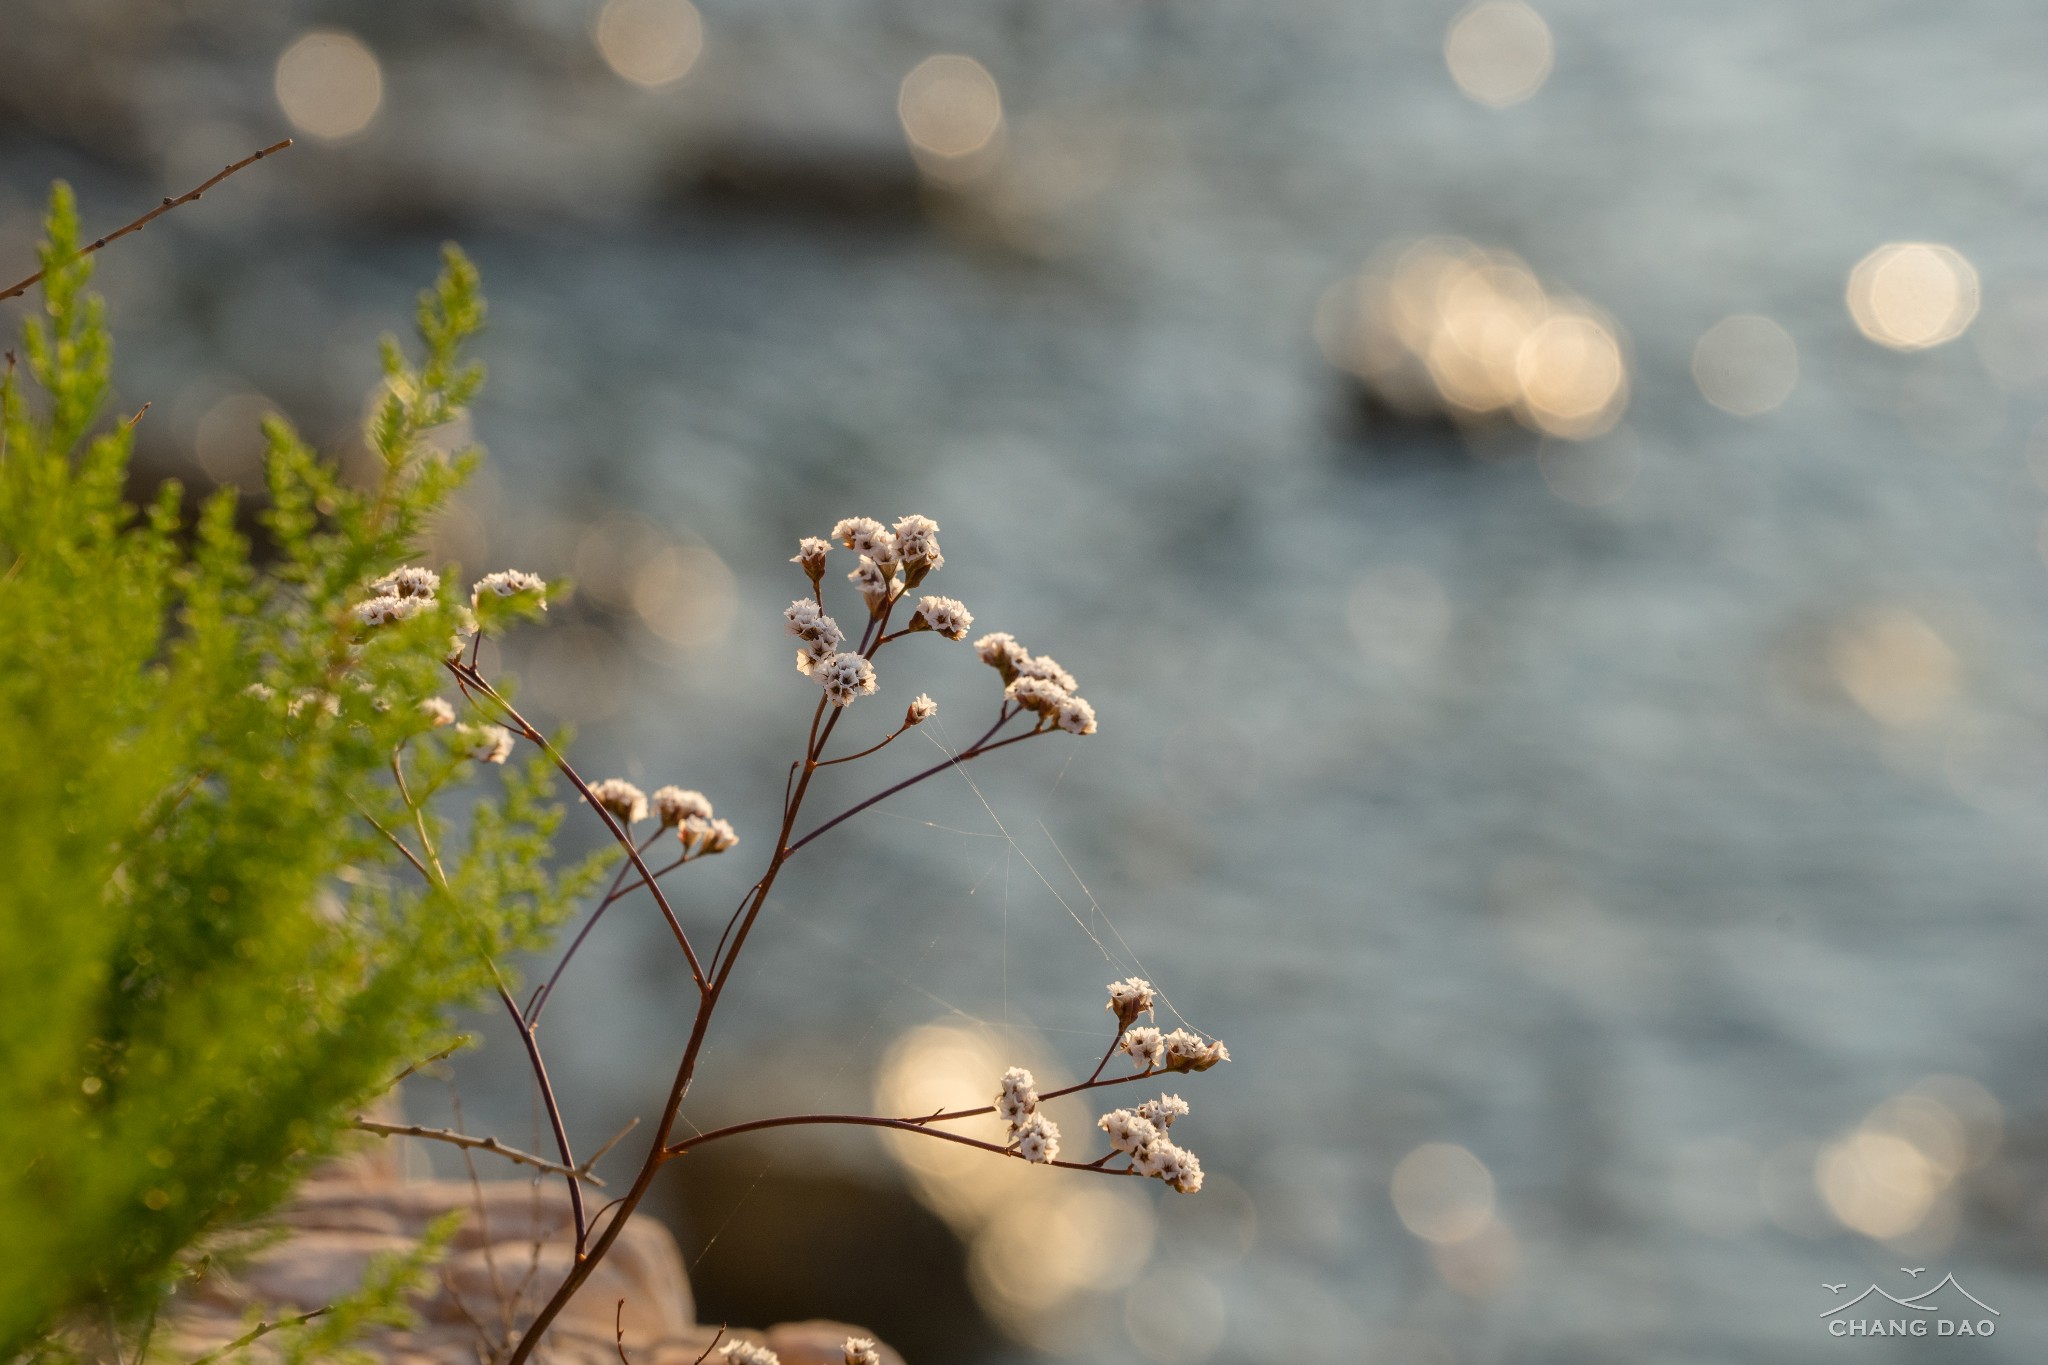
x=972 y=751
x=541 y=996
x=872 y=748
x=547 y=1095
x=16 y=290
x=481 y=1144
x=868 y=1121
x=261 y=1331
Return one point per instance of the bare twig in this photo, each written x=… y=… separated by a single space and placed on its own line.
x=15 y=291
x=481 y=1144
x=423 y=1063
x=716 y=1337
x=619 y=1332
x=261 y=1331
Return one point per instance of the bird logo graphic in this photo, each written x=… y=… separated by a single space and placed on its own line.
x=1834 y=1288
x=1913 y=1270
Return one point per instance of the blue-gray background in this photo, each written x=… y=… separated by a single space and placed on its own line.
x=1464 y=812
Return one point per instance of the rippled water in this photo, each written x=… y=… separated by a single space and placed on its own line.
x=1634 y=848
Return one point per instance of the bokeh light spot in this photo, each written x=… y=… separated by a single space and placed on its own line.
x=1443 y=1193
x=1913 y=295
x=1745 y=364
x=950 y=107
x=329 y=84
x=649 y=42
x=1895 y=666
x=1499 y=52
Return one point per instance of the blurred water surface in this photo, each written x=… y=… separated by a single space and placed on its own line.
x=1623 y=831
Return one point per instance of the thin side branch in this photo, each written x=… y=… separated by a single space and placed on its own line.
x=261 y=1331
x=871 y=1121
x=16 y=291
x=481 y=1144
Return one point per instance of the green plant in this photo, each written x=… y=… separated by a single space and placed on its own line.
x=206 y=962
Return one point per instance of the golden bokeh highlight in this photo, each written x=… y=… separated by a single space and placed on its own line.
x=1745 y=364
x=1499 y=52
x=1443 y=1193
x=329 y=84
x=1443 y=324
x=229 y=442
x=950 y=108
x=1913 y=295
x=685 y=594
x=649 y=42
x=1895 y=666
x=1035 y=1244
x=1892 y=1178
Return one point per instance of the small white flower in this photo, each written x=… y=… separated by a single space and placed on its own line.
x=1181 y=1169
x=380 y=611
x=1151 y=1159
x=810 y=553
x=671 y=804
x=621 y=798
x=1037 y=694
x=807 y=621
x=437 y=711
x=861 y=1351
x=1127 y=1129
x=1038 y=1139
x=738 y=1352
x=1001 y=652
x=720 y=838
x=1018 y=1100
x=260 y=691
x=876 y=582
x=866 y=536
x=922 y=709
x=510 y=583
x=917 y=546
x=412 y=580
x=1130 y=998
x=844 y=677
x=1163 y=1111
x=1075 y=716
x=811 y=653
x=325 y=702
x=1046 y=667
x=484 y=743
x=948 y=616
x=1146 y=1047
x=1187 y=1051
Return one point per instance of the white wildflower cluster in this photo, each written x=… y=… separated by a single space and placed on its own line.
x=947 y=616
x=621 y=798
x=810 y=557
x=738 y=1352
x=1180 y=1050
x=509 y=583
x=1033 y=1136
x=1141 y=1134
x=819 y=635
x=922 y=708
x=861 y=1351
x=1037 y=683
x=397 y=596
x=1130 y=998
x=689 y=814
x=437 y=711
x=846 y=676
x=484 y=743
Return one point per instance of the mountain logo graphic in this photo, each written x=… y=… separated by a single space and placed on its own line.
x=1945 y=1309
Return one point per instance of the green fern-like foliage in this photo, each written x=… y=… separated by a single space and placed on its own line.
x=211 y=948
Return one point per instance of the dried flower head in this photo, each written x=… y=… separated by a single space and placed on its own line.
x=917 y=546
x=876 y=581
x=621 y=798
x=412 y=580
x=1187 y=1051
x=806 y=620
x=810 y=556
x=1075 y=716
x=1163 y=1111
x=866 y=536
x=437 y=711
x=1001 y=652
x=1039 y=695
x=326 y=703
x=1038 y=1139
x=671 y=804
x=1046 y=667
x=844 y=677
x=861 y=1351
x=1127 y=1129
x=260 y=691
x=738 y=1352
x=1018 y=1099
x=948 y=616
x=380 y=611
x=922 y=709
x=1146 y=1047
x=484 y=743
x=1180 y=1168
x=810 y=654
x=720 y=837
x=510 y=583
x=1130 y=998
